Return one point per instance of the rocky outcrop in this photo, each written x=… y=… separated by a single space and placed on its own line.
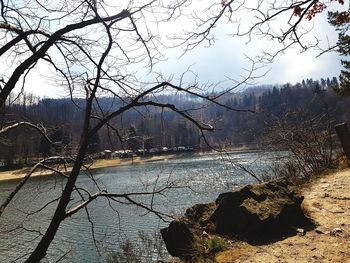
x=179 y=238
x=254 y=213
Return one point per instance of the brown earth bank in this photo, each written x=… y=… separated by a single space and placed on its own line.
x=15 y=175
x=327 y=203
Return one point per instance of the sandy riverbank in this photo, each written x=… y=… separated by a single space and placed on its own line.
x=327 y=202
x=98 y=164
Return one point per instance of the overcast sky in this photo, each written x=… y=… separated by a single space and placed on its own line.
x=226 y=59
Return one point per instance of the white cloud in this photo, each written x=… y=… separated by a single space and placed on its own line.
x=294 y=67
x=41 y=82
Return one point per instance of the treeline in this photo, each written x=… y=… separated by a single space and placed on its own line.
x=277 y=102
x=158 y=128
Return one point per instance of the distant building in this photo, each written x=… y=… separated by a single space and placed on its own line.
x=107 y=154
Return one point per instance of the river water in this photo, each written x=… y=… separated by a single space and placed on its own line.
x=198 y=179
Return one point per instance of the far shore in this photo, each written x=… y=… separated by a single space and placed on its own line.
x=17 y=175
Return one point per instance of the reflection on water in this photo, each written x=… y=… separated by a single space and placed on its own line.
x=200 y=178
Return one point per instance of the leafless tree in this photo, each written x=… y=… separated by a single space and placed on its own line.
x=307 y=141
x=285 y=23
x=94 y=47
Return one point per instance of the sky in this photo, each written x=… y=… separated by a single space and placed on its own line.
x=226 y=60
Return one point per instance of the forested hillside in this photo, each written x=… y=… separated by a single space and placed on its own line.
x=258 y=109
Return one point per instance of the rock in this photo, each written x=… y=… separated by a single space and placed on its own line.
x=256 y=211
x=336 y=231
x=301 y=231
x=179 y=239
x=325 y=195
x=200 y=213
x=205 y=234
x=320 y=230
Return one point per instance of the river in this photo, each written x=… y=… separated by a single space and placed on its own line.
x=199 y=179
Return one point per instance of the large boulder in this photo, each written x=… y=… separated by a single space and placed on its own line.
x=258 y=211
x=179 y=239
x=200 y=214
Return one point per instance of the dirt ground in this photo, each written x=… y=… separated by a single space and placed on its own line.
x=327 y=202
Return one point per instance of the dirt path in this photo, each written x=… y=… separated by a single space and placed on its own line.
x=327 y=202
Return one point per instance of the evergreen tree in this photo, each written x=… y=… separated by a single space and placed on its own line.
x=341 y=21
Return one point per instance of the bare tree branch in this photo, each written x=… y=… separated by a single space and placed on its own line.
x=38 y=128
x=25 y=179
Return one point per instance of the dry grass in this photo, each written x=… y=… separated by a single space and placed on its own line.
x=236 y=252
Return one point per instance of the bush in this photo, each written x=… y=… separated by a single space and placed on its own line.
x=150 y=249
x=216 y=245
x=307 y=141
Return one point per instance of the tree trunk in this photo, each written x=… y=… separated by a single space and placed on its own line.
x=344 y=136
x=42 y=247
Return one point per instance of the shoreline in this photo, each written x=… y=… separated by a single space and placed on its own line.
x=19 y=174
